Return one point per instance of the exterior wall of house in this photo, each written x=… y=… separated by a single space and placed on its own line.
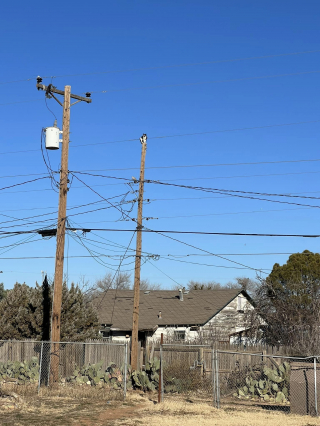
x=229 y=320
x=117 y=335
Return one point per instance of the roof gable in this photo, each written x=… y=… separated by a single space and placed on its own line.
x=115 y=307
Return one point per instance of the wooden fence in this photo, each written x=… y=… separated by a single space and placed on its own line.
x=71 y=355
x=231 y=357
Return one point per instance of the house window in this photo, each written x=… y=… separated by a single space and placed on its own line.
x=179 y=335
x=241 y=303
x=105 y=333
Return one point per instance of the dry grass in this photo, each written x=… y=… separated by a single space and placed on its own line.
x=82 y=406
x=177 y=413
x=61 y=406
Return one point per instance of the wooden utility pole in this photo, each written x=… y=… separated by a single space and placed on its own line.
x=61 y=234
x=62 y=217
x=136 y=296
x=160 y=372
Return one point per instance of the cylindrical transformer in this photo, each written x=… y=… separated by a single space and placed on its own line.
x=52 y=137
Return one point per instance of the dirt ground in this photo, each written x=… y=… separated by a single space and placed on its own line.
x=99 y=408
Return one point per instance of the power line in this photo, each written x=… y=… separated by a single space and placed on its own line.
x=215 y=214
x=117 y=271
x=181 y=166
x=21 y=102
x=198 y=178
x=151 y=263
x=249 y=192
x=204 y=133
x=174 y=239
x=209 y=82
x=23 y=183
x=205 y=264
x=184 y=65
x=166 y=182
x=184 y=84
x=240 y=234
x=166 y=66
x=214 y=190
x=233 y=194
x=29 y=174
x=182 y=135
x=228 y=254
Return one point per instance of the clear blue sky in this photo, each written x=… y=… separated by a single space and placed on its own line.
x=116 y=46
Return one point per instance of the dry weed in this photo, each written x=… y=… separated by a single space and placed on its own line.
x=176 y=413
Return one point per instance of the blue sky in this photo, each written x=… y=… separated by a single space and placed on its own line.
x=167 y=68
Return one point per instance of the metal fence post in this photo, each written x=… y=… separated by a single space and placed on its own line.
x=40 y=366
x=315 y=386
x=217 y=380
x=161 y=371
x=213 y=367
x=125 y=370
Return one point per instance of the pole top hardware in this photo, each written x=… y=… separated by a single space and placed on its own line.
x=143 y=138
x=51 y=90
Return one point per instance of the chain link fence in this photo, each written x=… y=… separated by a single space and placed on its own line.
x=98 y=364
x=186 y=372
x=229 y=379
x=288 y=384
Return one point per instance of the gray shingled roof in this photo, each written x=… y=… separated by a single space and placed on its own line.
x=115 y=307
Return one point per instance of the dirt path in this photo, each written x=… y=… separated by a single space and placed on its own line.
x=110 y=415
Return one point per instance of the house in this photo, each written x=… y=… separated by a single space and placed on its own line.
x=203 y=315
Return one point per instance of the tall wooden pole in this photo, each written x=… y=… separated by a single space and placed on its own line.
x=160 y=372
x=136 y=296
x=61 y=232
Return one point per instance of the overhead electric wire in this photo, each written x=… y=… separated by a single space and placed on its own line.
x=181 y=166
x=151 y=263
x=179 y=135
x=55 y=212
x=217 y=61
x=240 y=234
x=24 y=183
x=147 y=230
x=277 y=55
x=29 y=174
x=161 y=256
x=233 y=194
x=21 y=102
x=199 y=178
x=212 y=214
x=203 y=133
x=205 y=264
x=95 y=255
x=118 y=270
x=210 y=190
x=230 y=80
x=174 y=239
x=150 y=200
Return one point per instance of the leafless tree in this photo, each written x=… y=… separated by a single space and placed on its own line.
x=291 y=320
x=244 y=283
x=145 y=284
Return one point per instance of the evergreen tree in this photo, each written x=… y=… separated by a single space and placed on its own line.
x=19 y=314
x=26 y=312
x=78 y=319
x=3 y=292
x=287 y=304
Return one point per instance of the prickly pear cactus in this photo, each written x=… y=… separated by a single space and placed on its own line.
x=147 y=380
x=272 y=386
x=95 y=375
x=23 y=372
